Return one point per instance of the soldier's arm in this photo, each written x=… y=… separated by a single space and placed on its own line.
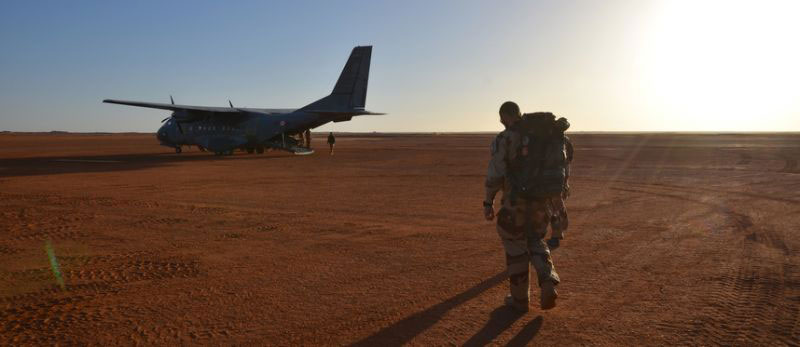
x=496 y=173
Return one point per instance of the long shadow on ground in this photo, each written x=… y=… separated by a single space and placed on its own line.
x=527 y=333
x=16 y=167
x=403 y=331
x=499 y=320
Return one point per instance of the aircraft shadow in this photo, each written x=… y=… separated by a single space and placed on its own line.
x=403 y=331
x=56 y=165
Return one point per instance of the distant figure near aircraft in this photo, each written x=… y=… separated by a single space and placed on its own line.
x=224 y=129
x=307 y=138
x=331 y=141
x=528 y=162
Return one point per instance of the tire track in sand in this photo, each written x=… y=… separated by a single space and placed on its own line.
x=756 y=299
x=49 y=320
x=752 y=304
x=55 y=315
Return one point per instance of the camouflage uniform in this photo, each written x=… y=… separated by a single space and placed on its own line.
x=521 y=224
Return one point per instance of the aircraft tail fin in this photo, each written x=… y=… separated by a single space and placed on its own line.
x=353 y=79
x=350 y=91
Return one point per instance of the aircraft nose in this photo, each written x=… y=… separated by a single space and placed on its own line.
x=161 y=135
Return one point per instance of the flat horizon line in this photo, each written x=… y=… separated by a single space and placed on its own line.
x=590 y=132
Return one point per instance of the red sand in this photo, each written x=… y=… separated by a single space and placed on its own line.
x=674 y=239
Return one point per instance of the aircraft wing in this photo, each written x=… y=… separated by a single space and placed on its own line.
x=173 y=107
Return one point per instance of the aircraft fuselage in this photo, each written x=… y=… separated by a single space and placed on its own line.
x=250 y=130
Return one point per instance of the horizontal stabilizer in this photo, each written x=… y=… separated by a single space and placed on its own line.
x=347 y=113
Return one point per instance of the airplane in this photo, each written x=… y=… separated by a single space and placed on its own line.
x=225 y=129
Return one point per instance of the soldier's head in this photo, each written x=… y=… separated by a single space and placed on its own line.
x=509 y=113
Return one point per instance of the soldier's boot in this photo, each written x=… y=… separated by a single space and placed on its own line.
x=518 y=269
x=520 y=307
x=548 y=277
x=548 y=296
x=519 y=299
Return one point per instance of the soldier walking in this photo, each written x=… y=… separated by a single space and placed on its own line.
x=307 y=138
x=527 y=163
x=331 y=141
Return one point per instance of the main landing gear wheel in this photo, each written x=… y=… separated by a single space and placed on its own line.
x=178 y=150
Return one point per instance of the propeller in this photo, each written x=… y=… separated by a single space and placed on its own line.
x=177 y=123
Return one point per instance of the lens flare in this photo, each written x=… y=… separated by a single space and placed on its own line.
x=51 y=255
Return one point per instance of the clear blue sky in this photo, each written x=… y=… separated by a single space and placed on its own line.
x=437 y=65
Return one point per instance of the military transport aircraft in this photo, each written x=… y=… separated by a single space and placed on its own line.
x=224 y=129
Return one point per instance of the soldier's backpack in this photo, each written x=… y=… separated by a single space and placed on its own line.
x=539 y=168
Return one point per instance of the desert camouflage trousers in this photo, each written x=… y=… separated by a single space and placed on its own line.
x=522 y=225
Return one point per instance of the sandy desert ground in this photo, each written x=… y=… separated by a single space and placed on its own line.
x=674 y=239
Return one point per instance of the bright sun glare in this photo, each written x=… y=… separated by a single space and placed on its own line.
x=725 y=65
